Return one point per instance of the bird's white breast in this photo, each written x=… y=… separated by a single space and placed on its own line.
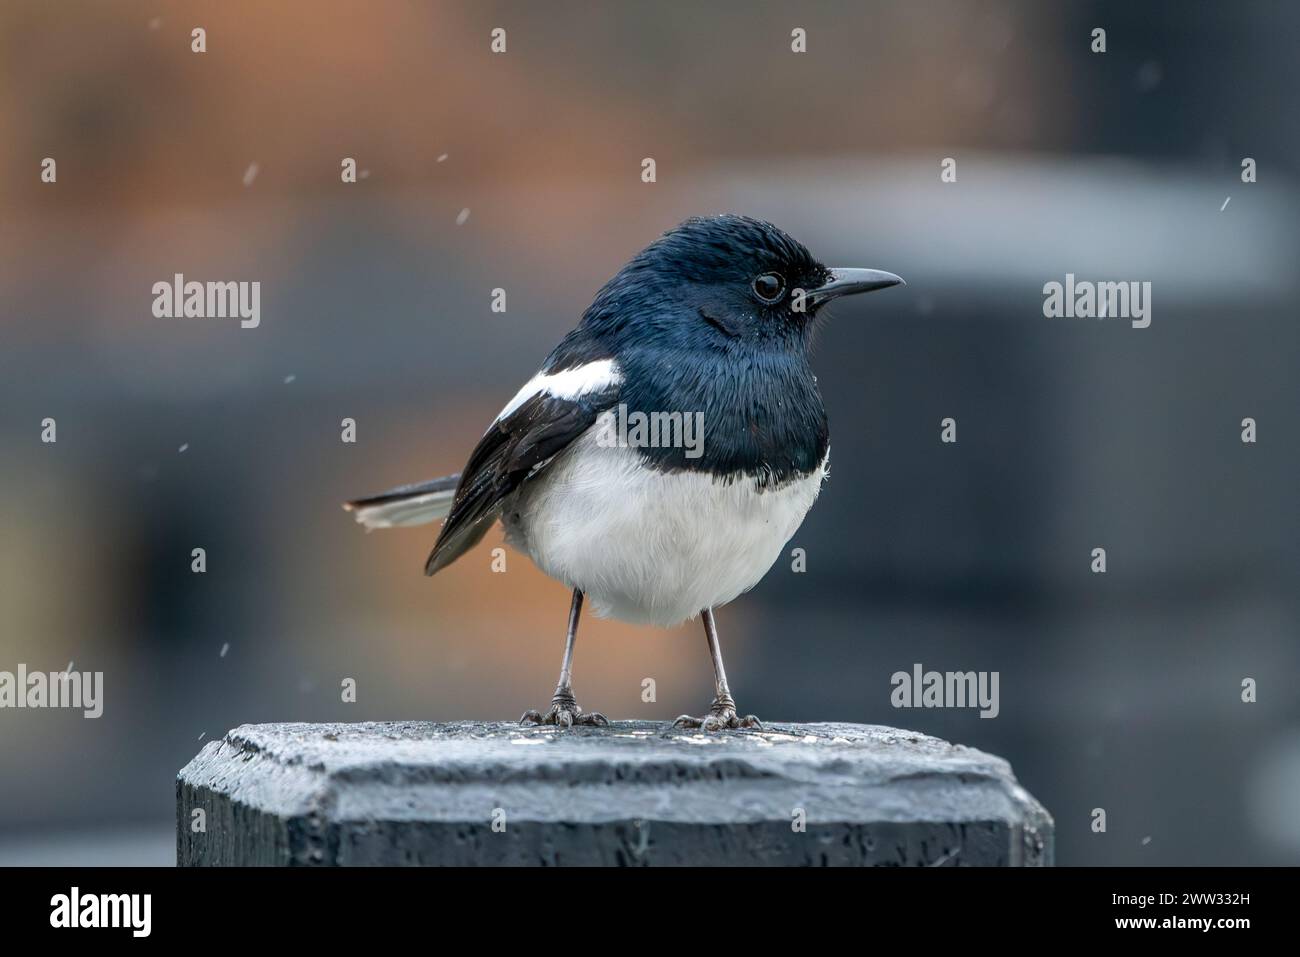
x=647 y=546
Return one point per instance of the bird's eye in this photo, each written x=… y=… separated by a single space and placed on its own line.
x=769 y=287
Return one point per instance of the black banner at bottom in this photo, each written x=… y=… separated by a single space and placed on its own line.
x=256 y=906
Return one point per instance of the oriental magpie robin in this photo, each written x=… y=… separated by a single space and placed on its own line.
x=590 y=467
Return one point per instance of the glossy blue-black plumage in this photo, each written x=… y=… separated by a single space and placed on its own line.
x=690 y=334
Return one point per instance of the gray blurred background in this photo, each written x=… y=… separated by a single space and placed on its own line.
x=1120 y=691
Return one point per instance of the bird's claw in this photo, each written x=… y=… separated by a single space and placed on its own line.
x=721 y=717
x=565 y=713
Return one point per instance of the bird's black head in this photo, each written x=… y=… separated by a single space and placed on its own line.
x=724 y=281
x=715 y=318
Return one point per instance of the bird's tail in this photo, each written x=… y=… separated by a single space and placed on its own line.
x=406 y=504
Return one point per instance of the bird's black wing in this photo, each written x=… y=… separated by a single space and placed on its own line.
x=517 y=447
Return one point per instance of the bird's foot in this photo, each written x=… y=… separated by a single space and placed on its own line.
x=565 y=713
x=721 y=717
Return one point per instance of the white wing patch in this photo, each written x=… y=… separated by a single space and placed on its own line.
x=568 y=384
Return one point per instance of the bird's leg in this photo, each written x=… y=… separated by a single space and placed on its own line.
x=722 y=713
x=564 y=710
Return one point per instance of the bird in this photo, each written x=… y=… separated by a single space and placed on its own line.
x=707 y=332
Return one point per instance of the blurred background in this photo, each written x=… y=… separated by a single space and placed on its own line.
x=1120 y=691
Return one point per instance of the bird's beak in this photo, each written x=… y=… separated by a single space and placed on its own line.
x=850 y=282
